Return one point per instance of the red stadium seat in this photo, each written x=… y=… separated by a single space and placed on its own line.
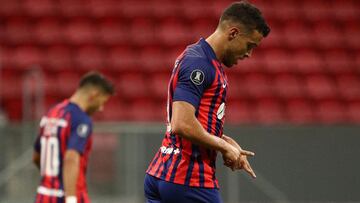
x=257 y=85
x=198 y=9
x=132 y=9
x=357 y=61
x=288 y=10
x=39 y=7
x=288 y=86
x=278 y=61
x=114 y=110
x=73 y=8
x=26 y=57
x=142 y=31
x=158 y=84
x=151 y=59
x=13 y=109
x=353 y=110
x=58 y=57
x=80 y=31
x=113 y=32
x=17 y=31
x=253 y=64
x=345 y=10
x=239 y=111
x=338 y=61
x=48 y=31
x=201 y=27
x=6 y=54
x=10 y=8
x=173 y=32
x=89 y=58
x=297 y=34
x=104 y=8
x=300 y=111
x=328 y=35
x=351 y=34
x=51 y=85
x=166 y=8
x=219 y=6
x=274 y=39
x=235 y=86
x=330 y=112
x=67 y=83
x=316 y=10
x=320 y=87
x=142 y=110
x=132 y=86
x=307 y=61
x=11 y=86
x=349 y=86
x=269 y=111
x=122 y=58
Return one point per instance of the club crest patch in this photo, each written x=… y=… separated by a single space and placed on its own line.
x=197 y=77
x=82 y=130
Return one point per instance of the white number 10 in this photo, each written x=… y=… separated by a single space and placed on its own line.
x=50 y=156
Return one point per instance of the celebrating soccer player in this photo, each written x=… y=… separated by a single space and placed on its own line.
x=183 y=170
x=64 y=142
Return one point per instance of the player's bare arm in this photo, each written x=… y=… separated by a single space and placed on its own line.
x=242 y=162
x=185 y=124
x=36 y=159
x=71 y=172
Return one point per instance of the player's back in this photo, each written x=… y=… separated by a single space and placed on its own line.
x=64 y=127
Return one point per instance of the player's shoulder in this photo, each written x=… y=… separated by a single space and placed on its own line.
x=194 y=60
x=195 y=55
x=77 y=115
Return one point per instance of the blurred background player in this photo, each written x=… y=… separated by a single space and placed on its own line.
x=63 y=145
x=183 y=170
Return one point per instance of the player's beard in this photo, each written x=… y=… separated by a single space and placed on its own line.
x=229 y=58
x=92 y=109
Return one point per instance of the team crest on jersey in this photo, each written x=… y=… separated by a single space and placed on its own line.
x=197 y=77
x=82 y=130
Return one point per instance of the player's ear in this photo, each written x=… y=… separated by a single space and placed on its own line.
x=233 y=32
x=94 y=92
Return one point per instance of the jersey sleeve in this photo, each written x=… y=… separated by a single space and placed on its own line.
x=79 y=133
x=194 y=77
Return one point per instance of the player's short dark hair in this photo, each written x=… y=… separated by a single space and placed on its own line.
x=246 y=14
x=96 y=79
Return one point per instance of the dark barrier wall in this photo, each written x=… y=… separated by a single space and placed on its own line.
x=302 y=163
x=293 y=164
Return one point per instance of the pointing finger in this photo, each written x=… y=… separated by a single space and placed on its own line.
x=247 y=153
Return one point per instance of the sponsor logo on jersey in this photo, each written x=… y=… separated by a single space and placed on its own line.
x=169 y=150
x=221 y=111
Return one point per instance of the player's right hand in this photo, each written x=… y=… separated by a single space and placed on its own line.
x=231 y=156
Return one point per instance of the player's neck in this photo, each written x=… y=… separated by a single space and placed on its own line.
x=79 y=100
x=216 y=43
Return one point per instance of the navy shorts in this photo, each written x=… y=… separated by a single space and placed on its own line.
x=160 y=191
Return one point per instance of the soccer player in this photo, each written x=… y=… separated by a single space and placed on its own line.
x=183 y=170
x=64 y=142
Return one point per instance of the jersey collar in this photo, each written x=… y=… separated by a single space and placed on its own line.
x=208 y=49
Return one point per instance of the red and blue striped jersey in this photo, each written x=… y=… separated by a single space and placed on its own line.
x=199 y=79
x=64 y=127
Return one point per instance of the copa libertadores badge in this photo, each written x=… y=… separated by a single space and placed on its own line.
x=82 y=130
x=197 y=77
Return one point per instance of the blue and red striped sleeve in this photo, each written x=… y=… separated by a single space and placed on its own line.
x=81 y=128
x=194 y=77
